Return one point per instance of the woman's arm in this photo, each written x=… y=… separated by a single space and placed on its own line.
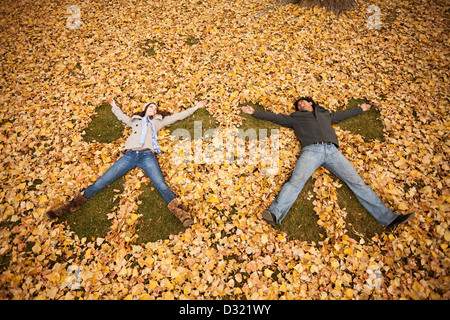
x=181 y=115
x=119 y=113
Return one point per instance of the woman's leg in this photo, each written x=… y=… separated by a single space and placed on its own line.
x=147 y=161
x=121 y=167
x=118 y=169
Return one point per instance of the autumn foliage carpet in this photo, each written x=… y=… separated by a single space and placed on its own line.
x=176 y=52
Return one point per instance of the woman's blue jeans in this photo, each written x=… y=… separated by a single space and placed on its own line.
x=144 y=159
x=328 y=156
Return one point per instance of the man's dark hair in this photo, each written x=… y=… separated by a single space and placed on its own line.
x=309 y=99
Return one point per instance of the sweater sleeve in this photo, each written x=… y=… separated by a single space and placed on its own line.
x=176 y=117
x=281 y=119
x=339 y=116
x=121 y=116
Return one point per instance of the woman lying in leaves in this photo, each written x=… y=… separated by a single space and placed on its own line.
x=140 y=149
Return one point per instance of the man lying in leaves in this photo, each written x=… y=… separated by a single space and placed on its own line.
x=312 y=125
x=140 y=149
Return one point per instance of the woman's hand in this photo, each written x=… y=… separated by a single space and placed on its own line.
x=111 y=102
x=248 y=110
x=201 y=104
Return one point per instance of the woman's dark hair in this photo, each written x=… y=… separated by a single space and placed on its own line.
x=309 y=99
x=158 y=111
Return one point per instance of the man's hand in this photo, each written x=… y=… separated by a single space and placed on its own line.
x=201 y=104
x=365 y=106
x=248 y=110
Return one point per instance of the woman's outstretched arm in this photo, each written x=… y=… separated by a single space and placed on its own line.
x=182 y=115
x=119 y=113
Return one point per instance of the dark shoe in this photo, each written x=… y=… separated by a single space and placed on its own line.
x=269 y=217
x=180 y=211
x=400 y=219
x=71 y=206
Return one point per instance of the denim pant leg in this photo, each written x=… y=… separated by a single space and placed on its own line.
x=339 y=165
x=148 y=162
x=118 y=169
x=310 y=159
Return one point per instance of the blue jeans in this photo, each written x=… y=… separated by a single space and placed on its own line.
x=328 y=156
x=144 y=159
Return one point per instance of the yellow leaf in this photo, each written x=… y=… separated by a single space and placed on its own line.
x=21 y=186
x=168 y=296
x=268 y=273
x=43 y=199
x=349 y=293
x=447 y=236
x=152 y=284
x=69 y=124
x=213 y=199
x=144 y=296
x=403 y=206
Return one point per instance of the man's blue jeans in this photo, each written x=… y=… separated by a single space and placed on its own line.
x=328 y=156
x=144 y=159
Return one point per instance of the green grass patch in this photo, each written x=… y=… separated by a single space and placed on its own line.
x=104 y=127
x=250 y=122
x=301 y=221
x=191 y=40
x=91 y=220
x=156 y=222
x=368 y=124
x=360 y=223
x=151 y=46
x=207 y=122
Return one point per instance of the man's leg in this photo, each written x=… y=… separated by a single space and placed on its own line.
x=310 y=159
x=344 y=170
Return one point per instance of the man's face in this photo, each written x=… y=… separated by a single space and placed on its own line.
x=304 y=105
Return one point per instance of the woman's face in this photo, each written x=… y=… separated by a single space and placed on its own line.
x=151 y=110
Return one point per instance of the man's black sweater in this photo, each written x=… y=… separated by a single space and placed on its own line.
x=311 y=127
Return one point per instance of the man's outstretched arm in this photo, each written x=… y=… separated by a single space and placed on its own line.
x=281 y=119
x=339 y=116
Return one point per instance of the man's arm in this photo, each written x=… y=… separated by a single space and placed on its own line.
x=339 y=116
x=281 y=119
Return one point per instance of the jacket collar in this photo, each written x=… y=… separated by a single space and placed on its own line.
x=317 y=108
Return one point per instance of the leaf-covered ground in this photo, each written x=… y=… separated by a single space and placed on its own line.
x=176 y=52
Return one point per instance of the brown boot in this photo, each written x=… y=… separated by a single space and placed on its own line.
x=180 y=211
x=71 y=206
